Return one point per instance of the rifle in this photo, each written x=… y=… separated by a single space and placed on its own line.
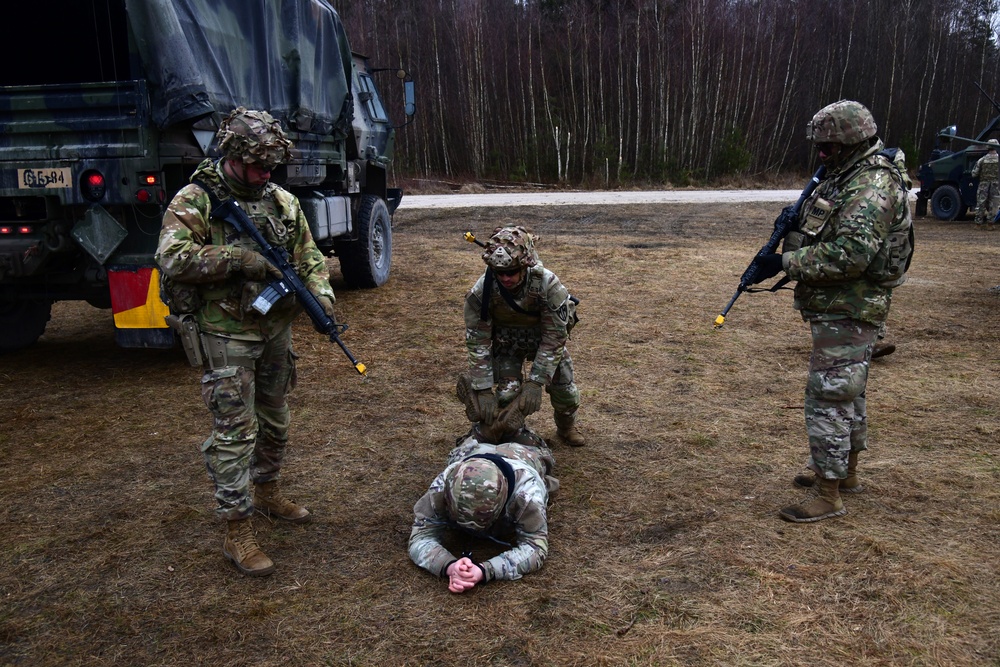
x=290 y=282
x=784 y=223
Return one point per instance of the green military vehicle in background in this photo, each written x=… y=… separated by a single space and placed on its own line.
x=946 y=180
x=106 y=118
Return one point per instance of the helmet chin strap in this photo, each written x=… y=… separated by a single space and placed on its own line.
x=844 y=155
x=240 y=176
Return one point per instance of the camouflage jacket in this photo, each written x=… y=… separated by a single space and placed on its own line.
x=525 y=514
x=541 y=293
x=987 y=168
x=842 y=228
x=197 y=250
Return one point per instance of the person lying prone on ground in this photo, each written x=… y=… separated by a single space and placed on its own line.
x=499 y=492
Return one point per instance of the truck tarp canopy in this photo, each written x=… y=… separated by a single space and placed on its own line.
x=289 y=57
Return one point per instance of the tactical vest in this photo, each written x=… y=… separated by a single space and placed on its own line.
x=521 y=317
x=889 y=267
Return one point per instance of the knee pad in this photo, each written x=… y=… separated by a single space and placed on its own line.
x=564 y=397
x=838 y=384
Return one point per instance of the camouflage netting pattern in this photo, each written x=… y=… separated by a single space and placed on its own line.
x=254 y=137
x=510 y=248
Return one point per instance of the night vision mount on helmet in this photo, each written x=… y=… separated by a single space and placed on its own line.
x=510 y=248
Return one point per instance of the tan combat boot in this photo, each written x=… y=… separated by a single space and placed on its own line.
x=850 y=484
x=268 y=499
x=825 y=505
x=567 y=431
x=241 y=548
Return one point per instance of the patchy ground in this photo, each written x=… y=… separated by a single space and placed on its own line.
x=666 y=545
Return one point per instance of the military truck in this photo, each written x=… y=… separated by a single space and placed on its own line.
x=946 y=180
x=104 y=120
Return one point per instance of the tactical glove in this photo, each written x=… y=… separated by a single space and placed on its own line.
x=510 y=419
x=326 y=302
x=768 y=266
x=530 y=398
x=487 y=405
x=253 y=265
x=504 y=427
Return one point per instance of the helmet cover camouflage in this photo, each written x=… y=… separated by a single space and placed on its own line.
x=254 y=137
x=845 y=122
x=993 y=142
x=475 y=493
x=510 y=248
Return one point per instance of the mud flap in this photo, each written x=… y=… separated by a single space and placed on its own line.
x=140 y=315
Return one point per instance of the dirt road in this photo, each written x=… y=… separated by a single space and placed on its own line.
x=601 y=198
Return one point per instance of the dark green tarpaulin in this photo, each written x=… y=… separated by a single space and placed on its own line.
x=290 y=57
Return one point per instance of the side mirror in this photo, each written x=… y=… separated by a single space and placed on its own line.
x=410 y=99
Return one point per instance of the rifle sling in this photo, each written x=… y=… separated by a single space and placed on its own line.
x=488 y=283
x=216 y=202
x=212 y=197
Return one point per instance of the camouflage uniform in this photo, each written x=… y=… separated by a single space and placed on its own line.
x=987 y=170
x=499 y=345
x=837 y=257
x=524 y=512
x=247 y=393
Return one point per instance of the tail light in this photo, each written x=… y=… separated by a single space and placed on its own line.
x=92 y=185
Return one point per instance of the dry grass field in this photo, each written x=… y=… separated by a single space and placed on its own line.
x=666 y=546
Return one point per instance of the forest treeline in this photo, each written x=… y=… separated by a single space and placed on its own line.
x=609 y=92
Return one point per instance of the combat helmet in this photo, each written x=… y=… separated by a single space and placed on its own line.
x=475 y=494
x=254 y=137
x=510 y=248
x=993 y=144
x=845 y=122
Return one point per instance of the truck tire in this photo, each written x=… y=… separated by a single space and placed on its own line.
x=22 y=323
x=946 y=202
x=365 y=263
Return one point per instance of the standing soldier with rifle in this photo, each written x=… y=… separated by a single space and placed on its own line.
x=213 y=276
x=852 y=246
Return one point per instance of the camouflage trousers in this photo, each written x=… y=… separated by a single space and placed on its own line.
x=247 y=397
x=987 y=203
x=835 y=411
x=508 y=371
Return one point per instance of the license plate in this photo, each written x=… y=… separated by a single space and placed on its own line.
x=51 y=177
